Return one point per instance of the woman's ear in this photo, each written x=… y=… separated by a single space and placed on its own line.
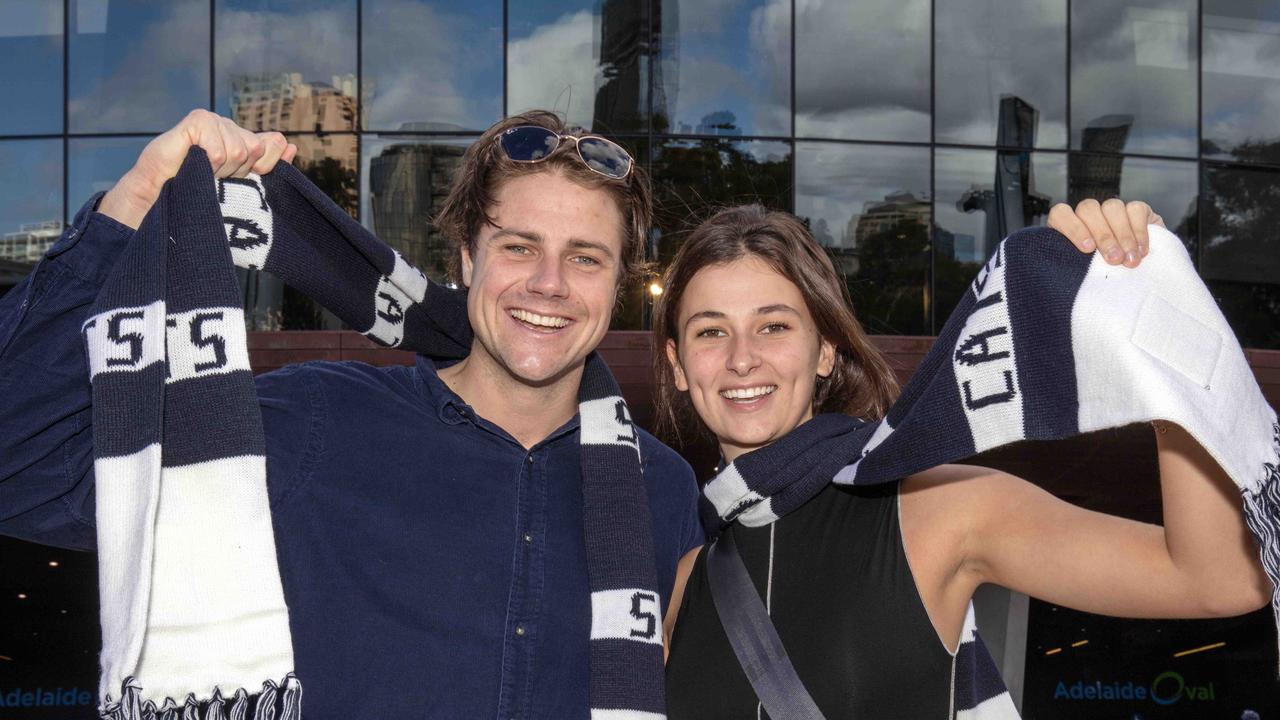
x=673 y=357
x=826 y=358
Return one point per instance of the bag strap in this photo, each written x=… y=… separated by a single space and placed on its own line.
x=751 y=633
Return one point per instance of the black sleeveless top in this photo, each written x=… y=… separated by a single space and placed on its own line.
x=846 y=608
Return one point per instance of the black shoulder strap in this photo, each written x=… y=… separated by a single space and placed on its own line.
x=753 y=637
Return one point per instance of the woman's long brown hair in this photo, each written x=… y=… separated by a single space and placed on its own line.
x=861 y=383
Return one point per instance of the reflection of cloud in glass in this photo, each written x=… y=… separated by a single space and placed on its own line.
x=713 y=73
x=556 y=67
x=1241 y=91
x=604 y=157
x=862 y=69
x=1137 y=61
x=316 y=39
x=436 y=65
x=992 y=48
x=31 y=55
x=94 y=164
x=139 y=68
x=30 y=182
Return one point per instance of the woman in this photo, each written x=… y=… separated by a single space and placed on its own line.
x=869 y=587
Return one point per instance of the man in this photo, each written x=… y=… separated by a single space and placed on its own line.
x=428 y=520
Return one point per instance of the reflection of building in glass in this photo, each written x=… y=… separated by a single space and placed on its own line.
x=30 y=242
x=621 y=100
x=1098 y=176
x=896 y=209
x=1012 y=203
x=407 y=184
x=284 y=102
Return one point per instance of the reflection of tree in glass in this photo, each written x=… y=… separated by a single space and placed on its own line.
x=336 y=179
x=692 y=179
x=890 y=285
x=1240 y=259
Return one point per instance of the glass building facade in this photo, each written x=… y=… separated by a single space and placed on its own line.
x=910 y=135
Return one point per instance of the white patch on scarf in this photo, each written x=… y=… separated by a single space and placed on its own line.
x=209 y=341
x=627 y=614
x=125 y=339
x=1202 y=380
x=247 y=220
x=607 y=421
x=217 y=611
x=985 y=367
x=128 y=492
x=728 y=491
x=396 y=293
x=848 y=473
x=597 y=714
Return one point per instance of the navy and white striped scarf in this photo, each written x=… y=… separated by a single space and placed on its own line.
x=1046 y=344
x=193 y=615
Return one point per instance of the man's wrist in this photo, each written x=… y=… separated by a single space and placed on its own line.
x=129 y=200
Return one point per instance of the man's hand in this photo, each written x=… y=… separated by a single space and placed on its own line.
x=233 y=152
x=1118 y=230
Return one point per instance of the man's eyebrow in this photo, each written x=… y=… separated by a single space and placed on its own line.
x=580 y=244
x=529 y=235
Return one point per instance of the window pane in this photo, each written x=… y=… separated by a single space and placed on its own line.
x=432 y=65
x=31 y=55
x=993 y=91
x=692 y=178
x=30 y=205
x=1169 y=186
x=869 y=205
x=1241 y=255
x=403 y=183
x=287 y=65
x=136 y=66
x=862 y=69
x=95 y=164
x=1241 y=95
x=585 y=59
x=723 y=69
x=972 y=218
x=1133 y=76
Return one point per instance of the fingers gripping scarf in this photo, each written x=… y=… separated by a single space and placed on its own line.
x=1048 y=343
x=192 y=606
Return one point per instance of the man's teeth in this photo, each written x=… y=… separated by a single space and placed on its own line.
x=540 y=320
x=747 y=393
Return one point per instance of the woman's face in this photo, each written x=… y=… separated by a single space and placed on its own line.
x=748 y=353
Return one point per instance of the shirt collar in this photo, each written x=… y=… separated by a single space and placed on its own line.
x=452 y=409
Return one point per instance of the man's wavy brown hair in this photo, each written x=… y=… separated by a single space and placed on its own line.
x=485 y=168
x=861 y=384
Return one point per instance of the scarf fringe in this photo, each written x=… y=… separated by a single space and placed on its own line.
x=1262 y=514
x=281 y=701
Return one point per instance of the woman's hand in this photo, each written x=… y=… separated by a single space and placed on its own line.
x=1116 y=229
x=232 y=150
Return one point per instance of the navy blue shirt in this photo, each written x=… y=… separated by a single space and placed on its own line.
x=433 y=567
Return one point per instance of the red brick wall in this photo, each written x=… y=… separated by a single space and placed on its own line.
x=627 y=353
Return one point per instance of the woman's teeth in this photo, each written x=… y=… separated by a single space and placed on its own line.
x=747 y=393
x=546 y=321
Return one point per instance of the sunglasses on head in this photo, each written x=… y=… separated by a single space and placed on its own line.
x=531 y=144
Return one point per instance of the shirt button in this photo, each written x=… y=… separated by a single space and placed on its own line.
x=528 y=538
x=529 y=458
x=520 y=630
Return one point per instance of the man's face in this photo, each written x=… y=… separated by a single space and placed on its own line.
x=544 y=281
